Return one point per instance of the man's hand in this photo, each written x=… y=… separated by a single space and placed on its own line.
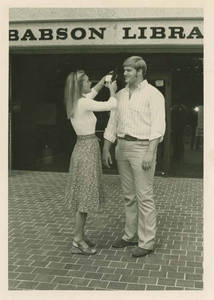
x=147 y=161
x=106 y=157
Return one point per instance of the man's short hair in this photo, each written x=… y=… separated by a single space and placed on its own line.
x=136 y=62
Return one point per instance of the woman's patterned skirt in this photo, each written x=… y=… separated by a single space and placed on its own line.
x=84 y=191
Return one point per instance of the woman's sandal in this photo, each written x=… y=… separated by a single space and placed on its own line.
x=80 y=248
x=90 y=243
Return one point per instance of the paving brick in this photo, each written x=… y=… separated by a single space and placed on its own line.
x=156 y=259
x=67 y=254
x=100 y=257
x=174 y=288
x=194 y=264
x=198 y=270
x=193 y=276
x=41 y=263
x=154 y=287
x=151 y=267
x=116 y=258
x=102 y=263
x=76 y=273
x=166 y=281
x=44 y=278
x=132 y=286
x=198 y=259
x=177 y=275
x=23 y=254
x=12 y=284
x=50 y=271
x=93 y=275
x=54 y=258
x=12 y=268
x=128 y=259
x=24 y=262
x=158 y=274
x=136 y=266
x=107 y=270
x=46 y=286
x=147 y=280
x=163 y=251
x=61 y=279
x=177 y=263
x=80 y=281
x=25 y=269
x=52 y=253
x=26 y=276
x=186 y=269
x=117 y=285
x=129 y=278
x=194 y=253
x=86 y=268
x=56 y=265
x=67 y=287
x=169 y=268
x=27 y=285
x=69 y=259
x=140 y=272
x=186 y=258
x=171 y=256
x=35 y=251
x=107 y=252
x=118 y=264
x=123 y=271
x=185 y=283
x=199 y=284
x=35 y=246
x=12 y=275
x=98 y=284
x=71 y=266
x=111 y=277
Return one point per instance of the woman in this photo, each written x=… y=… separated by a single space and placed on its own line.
x=84 y=192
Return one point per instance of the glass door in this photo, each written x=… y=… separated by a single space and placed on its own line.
x=162 y=81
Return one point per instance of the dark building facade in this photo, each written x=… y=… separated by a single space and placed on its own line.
x=47 y=44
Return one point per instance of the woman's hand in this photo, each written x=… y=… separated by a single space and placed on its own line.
x=112 y=87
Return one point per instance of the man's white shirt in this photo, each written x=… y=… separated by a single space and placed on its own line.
x=142 y=115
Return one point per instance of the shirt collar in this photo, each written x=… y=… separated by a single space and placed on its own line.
x=140 y=85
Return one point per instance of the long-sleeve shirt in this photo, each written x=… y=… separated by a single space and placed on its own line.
x=84 y=120
x=141 y=116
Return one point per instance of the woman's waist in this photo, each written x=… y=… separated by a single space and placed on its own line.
x=90 y=136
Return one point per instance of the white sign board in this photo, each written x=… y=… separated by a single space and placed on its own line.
x=111 y=33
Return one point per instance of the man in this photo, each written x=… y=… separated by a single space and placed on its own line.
x=138 y=124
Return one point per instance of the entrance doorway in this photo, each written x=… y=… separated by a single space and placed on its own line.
x=41 y=136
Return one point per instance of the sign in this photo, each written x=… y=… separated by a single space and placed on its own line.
x=135 y=32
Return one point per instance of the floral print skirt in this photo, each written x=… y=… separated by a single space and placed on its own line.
x=84 y=191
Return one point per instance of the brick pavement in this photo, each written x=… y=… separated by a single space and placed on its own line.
x=40 y=233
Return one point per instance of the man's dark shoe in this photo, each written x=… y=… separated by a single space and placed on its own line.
x=122 y=243
x=138 y=252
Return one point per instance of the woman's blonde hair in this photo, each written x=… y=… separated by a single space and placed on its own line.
x=73 y=91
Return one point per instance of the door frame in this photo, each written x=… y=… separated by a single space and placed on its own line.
x=167 y=77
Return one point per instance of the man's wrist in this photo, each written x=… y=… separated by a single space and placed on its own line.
x=106 y=148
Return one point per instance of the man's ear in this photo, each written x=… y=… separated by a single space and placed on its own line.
x=140 y=73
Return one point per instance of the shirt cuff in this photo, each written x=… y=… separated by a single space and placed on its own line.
x=110 y=137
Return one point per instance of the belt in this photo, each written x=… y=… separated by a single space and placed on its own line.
x=132 y=138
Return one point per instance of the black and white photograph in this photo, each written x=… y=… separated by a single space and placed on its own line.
x=106 y=149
